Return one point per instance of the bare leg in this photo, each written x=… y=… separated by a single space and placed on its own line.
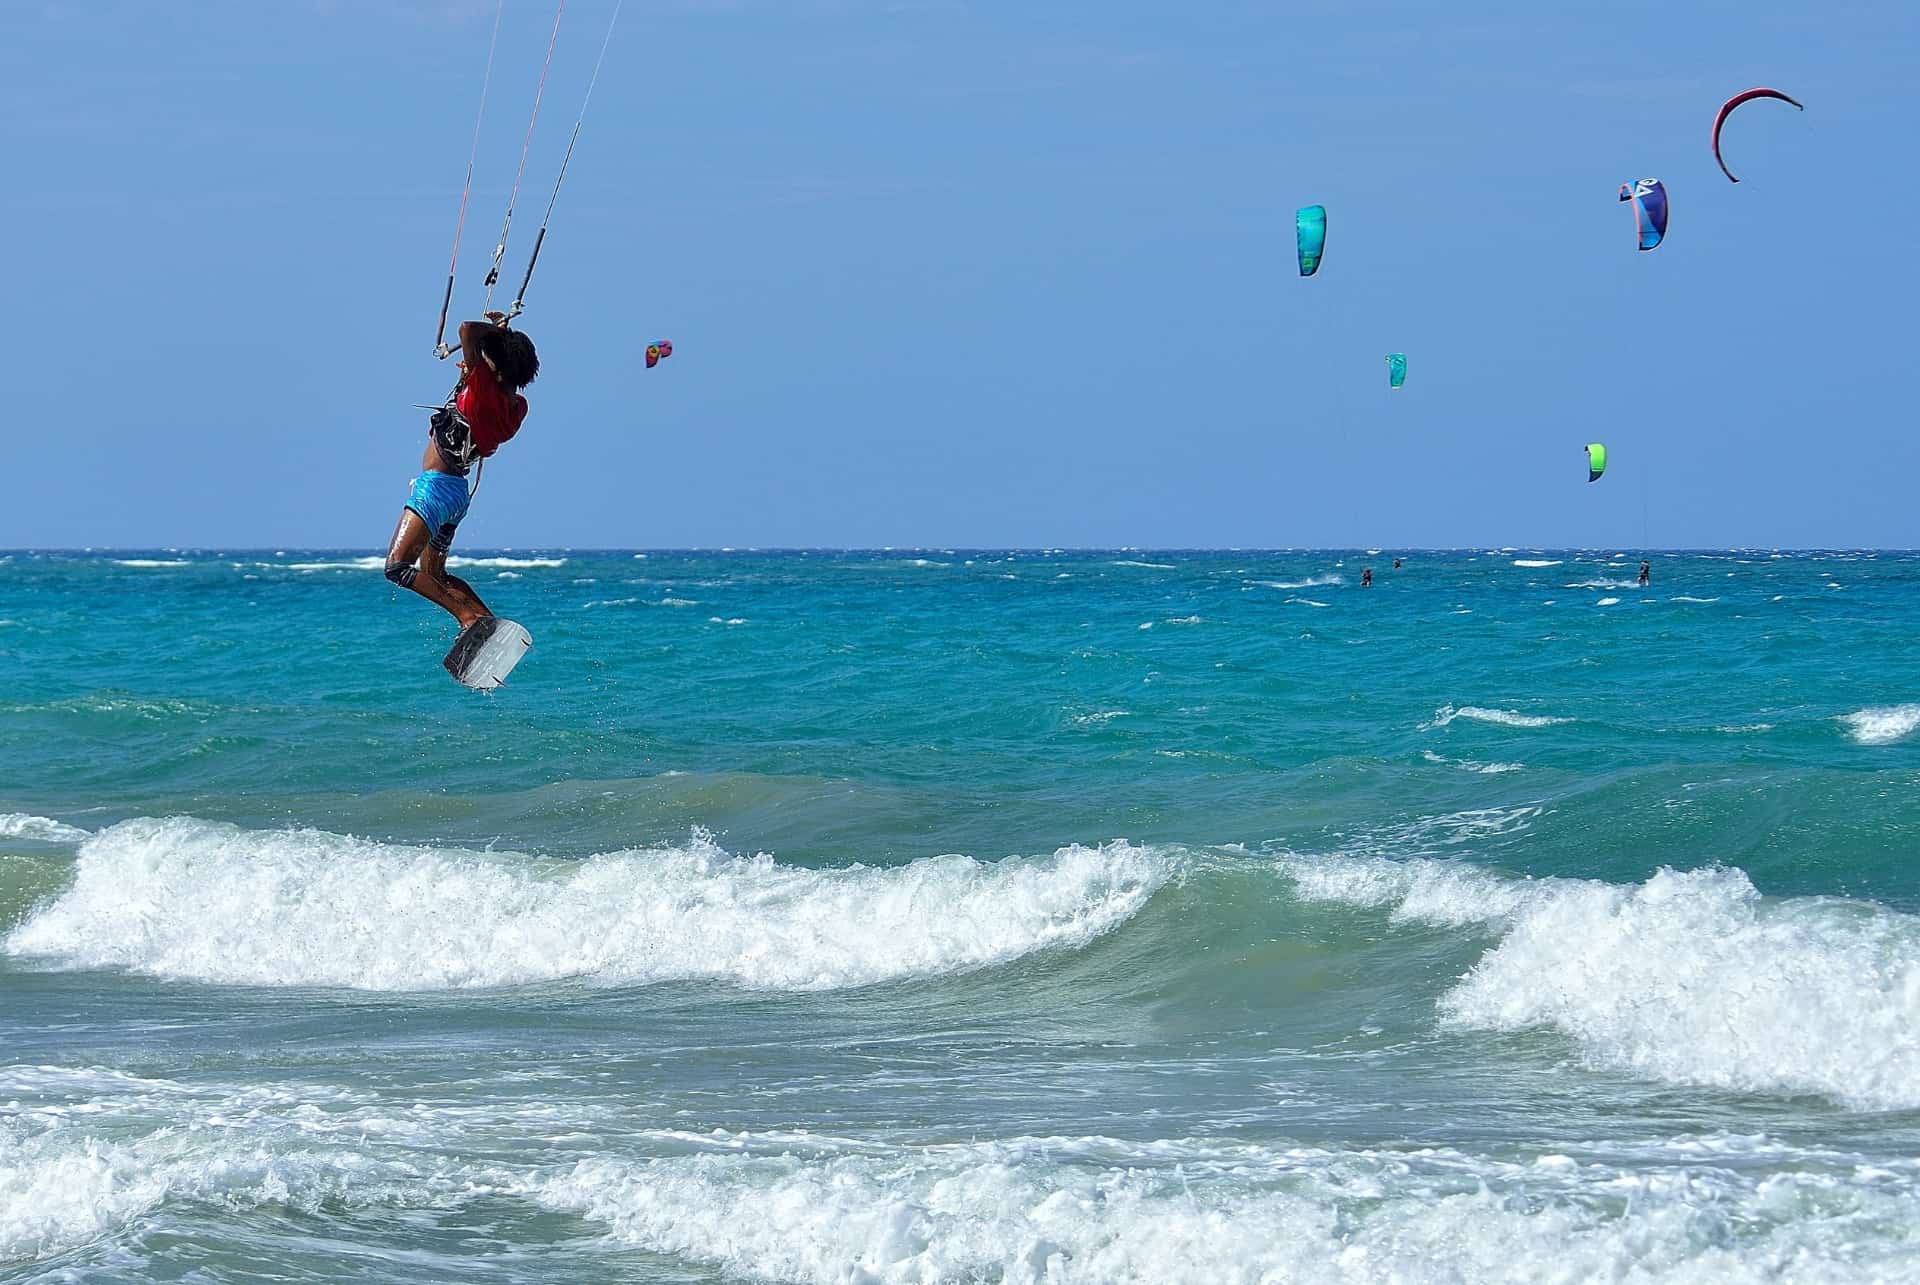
x=429 y=579
x=459 y=597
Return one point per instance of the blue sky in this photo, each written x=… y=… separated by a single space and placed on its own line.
x=970 y=274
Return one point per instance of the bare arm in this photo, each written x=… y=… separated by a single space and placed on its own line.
x=470 y=332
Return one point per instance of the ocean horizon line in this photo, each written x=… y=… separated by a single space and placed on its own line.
x=292 y=550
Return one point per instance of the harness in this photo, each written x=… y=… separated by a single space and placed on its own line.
x=453 y=437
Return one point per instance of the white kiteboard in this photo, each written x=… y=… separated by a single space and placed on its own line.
x=486 y=652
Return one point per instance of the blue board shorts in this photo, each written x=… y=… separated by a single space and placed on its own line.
x=440 y=500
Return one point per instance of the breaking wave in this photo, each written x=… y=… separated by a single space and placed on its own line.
x=1691 y=977
x=184 y=898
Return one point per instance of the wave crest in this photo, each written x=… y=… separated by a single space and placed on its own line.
x=1690 y=978
x=192 y=899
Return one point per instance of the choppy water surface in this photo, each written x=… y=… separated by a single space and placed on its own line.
x=963 y=916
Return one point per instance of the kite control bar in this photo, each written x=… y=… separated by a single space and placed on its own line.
x=446 y=350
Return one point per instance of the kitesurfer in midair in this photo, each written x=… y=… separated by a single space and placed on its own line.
x=484 y=410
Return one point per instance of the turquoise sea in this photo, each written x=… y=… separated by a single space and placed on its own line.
x=864 y=917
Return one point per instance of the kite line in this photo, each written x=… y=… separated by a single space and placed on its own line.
x=466 y=192
x=441 y=347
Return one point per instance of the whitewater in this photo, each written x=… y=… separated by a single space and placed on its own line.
x=917 y=916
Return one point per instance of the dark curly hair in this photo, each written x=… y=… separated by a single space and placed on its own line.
x=512 y=354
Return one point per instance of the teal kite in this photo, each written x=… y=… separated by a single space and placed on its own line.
x=1396 y=369
x=1310 y=225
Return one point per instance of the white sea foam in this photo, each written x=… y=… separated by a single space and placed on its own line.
x=152 y=562
x=1471 y=829
x=1606 y=602
x=1308 y=602
x=1071 y=1210
x=1691 y=978
x=1449 y=893
x=372 y=563
x=1311 y=582
x=1536 y=562
x=191 y=899
x=1468 y=765
x=1153 y=566
x=86 y=1152
x=1184 y=620
x=1503 y=717
x=457 y=561
x=1882 y=724
x=22 y=825
x=342 y=564
x=1685 y=598
x=88 y=1155
x=60 y=1193
x=1603 y=582
x=1097 y=717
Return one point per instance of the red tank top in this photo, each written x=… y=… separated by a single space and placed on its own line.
x=491 y=412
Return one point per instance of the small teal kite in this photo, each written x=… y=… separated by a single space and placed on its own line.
x=1396 y=369
x=1310 y=225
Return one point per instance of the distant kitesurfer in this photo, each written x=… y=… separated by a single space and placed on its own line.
x=484 y=410
x=1646 y=572
x=1366 y=578
x=1396 y=564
